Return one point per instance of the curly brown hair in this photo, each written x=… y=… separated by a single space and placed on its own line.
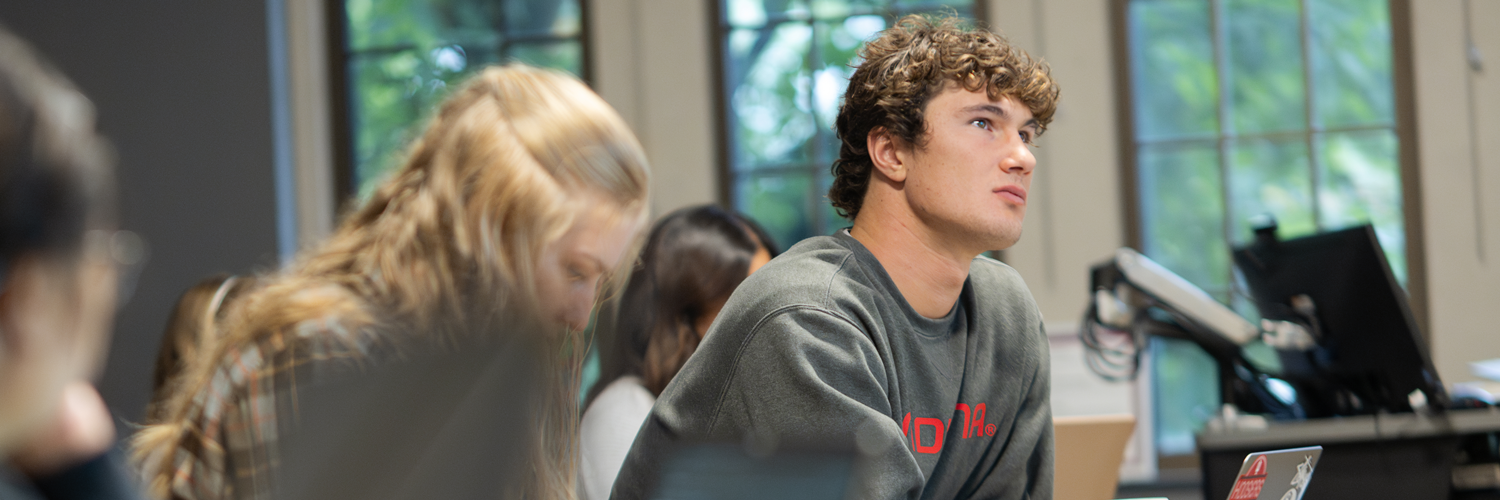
x=904 y=68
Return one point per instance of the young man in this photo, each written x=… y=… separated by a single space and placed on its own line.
x=896 y=334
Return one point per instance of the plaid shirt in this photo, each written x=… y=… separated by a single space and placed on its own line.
x=230 y=447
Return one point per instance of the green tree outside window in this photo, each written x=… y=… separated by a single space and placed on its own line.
x=786 y=64
x=1250 y=107
x=402 y=57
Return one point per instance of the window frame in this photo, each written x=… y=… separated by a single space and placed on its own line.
x=341 y=93
x=1404 y=126
x=728 y=177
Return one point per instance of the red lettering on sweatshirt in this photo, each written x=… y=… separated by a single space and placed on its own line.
x=937 y=435
x=970 y=422
x=906 y=427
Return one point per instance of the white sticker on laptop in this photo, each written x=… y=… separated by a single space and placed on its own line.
x=1276 y=475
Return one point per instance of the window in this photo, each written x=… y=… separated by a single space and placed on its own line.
x=401 y=56
x=1250 y=107
x=786 y=64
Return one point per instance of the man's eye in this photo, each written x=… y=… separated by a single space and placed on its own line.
x=1025 y=137
x=984 y=124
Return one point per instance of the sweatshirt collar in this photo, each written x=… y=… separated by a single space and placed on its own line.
x=878 y=273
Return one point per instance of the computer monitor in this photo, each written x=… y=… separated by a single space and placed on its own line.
x=1370 y=355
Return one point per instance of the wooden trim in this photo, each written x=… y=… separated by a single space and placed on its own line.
x=311 y=121
x=720 y=33
x=1119 y=12
x=339 y=105
x=1403 y=75
x=585 y=56
x=981 y=13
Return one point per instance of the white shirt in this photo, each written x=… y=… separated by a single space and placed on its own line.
x=606 y=432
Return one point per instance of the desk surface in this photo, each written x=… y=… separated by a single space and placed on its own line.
x=1354 y=429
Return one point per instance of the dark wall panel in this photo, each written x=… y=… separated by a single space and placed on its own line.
x=182 y=89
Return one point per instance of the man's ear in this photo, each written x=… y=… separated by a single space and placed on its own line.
x=887 y=154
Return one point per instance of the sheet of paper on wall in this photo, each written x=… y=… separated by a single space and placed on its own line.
x=1489 y=369
x=1076 y=391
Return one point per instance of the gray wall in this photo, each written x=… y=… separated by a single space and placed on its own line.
x=182 y=89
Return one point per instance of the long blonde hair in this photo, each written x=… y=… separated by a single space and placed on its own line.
x=449 y=242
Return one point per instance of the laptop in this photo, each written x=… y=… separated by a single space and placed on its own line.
x=1276 y=475
x=728 y=471
x=446 y=424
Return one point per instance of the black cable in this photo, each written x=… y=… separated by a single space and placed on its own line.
x=1116 y=363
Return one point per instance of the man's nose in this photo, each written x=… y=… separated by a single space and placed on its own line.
x=1018 y=159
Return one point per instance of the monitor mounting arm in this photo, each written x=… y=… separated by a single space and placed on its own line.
x=1136 y=296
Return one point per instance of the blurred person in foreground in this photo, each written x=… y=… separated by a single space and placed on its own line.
x=897 y=334
x=58 y=279
x=510 y=213
x=693 y=260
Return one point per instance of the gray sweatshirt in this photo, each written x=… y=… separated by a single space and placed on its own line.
x=820 y=345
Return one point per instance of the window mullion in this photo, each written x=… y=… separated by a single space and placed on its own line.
x=1220 y=33
x=1310 y=115
x=813 y=60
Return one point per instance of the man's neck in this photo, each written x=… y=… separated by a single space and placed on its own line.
x=929 y=274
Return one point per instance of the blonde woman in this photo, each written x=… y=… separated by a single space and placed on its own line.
x=517 y=204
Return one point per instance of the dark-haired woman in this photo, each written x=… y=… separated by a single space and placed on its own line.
x=693 y=260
